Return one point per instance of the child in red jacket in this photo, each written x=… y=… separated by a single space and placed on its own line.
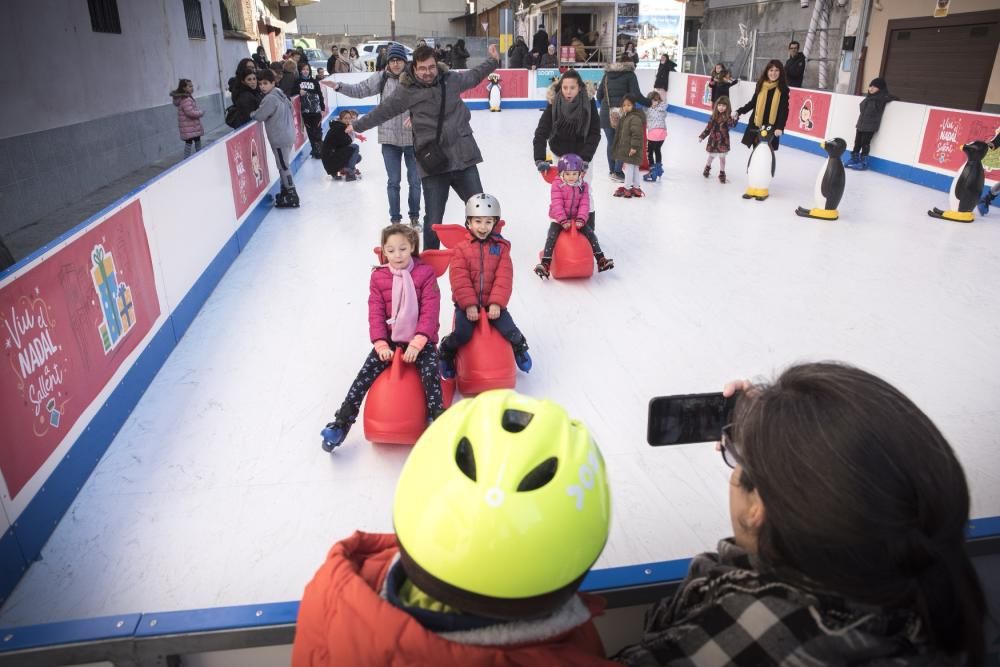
x=404 y=306
x=482 y=276
x=570 y=205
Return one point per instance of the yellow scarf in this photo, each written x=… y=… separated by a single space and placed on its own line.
x=758 y=114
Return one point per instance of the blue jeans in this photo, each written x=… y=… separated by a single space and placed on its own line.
x=465 y=182
x=614 y=166
x=355 y=158
x=392 y=155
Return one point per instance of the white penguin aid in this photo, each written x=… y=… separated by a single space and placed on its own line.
x=494 y=89
x=829 y=183
x=760 y=167
x=967 y=186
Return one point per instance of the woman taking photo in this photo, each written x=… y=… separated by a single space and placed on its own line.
x=849 y=512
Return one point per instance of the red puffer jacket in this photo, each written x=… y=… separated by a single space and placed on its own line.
x=344 y=620
x=481 y=272
x=380 y=301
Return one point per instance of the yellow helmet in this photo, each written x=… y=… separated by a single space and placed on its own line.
x=502 y=506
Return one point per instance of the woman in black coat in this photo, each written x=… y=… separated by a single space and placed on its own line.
x=459 y=55
x=246 y=97
x=619 y=80
x=663 y=72
x=769 y=106
x=570 y=123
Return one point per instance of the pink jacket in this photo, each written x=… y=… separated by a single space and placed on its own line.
x=569 y=202
x=188 y=117
x=380 y=301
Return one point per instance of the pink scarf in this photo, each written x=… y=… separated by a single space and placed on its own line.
x=405 y=309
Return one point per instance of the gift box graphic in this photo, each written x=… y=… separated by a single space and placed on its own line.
x=125 y=307
x=116 y=299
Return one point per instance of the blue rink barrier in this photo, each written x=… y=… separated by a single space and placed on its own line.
x=38 y=520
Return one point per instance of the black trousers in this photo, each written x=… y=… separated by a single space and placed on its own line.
x=653 y=151
x=464 y=328
x=427 y=365
x=863 y=142
x=314 y=130
x=555 y=228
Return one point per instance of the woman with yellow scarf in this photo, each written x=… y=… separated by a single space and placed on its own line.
x=769 y=105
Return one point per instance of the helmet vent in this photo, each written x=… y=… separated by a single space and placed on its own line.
x=465 y=458
x=515 y=421
x=541 y=475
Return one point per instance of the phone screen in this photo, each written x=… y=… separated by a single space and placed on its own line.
x=682 y=419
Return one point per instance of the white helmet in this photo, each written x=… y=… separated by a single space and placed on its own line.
x=482 y=205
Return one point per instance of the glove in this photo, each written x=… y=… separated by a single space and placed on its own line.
x=543 y=166
x=580 y=222
x=565 y=225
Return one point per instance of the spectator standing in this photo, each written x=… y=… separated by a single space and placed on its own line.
x=517 y=55
x=355 y=60
x=289 y=82
x=383 y=58
x=459 y=55
x=619 y=80
x=662 y=82
x=550 y=59
x=260 y=58
x=188 y=116
x=540 y=43
x=313 y=106
x=425 y=87
x=795 y=66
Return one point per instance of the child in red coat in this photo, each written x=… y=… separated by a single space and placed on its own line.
x=570 y=205
x=482 y=276
x=404 y=306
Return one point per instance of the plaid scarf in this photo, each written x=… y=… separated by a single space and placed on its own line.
x=728 y=612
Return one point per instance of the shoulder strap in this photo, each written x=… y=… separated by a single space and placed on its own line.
x=381 y=85
x=437 y=137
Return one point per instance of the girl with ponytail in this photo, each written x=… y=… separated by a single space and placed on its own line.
x=849 y=511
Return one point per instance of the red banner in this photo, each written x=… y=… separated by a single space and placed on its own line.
x=808 y=112
x=300 y=131
x=67 y=324
x=948 y=129
x=513 y=84
x=698 y=93
x=247 y=166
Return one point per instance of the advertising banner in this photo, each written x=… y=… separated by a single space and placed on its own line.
x=513 y=84
x=300 y=130
x=698 y=93
x=948 y=129
x=248 y=165
x=809 y=113
x=67 y=325
x=660 y=31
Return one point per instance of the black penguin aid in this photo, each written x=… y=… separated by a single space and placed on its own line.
x=966 y=187
x=687 y=418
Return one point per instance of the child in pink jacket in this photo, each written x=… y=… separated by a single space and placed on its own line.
x=570 y=205
x=404 y=306
x=188 y=116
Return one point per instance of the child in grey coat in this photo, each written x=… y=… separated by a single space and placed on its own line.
x=275 y=111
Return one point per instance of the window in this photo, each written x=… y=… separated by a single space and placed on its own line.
x=192 y=14
x=104 y=16
x=232 y=15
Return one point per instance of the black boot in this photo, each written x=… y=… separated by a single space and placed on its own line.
x=592 y=220
x=287 y=198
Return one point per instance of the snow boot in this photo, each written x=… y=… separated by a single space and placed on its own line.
x=622 y=192
x=707 y=171
x=604 y=263
x=984 y=204
x=287 y=198
x=334 y=434
x=854 y=162
x=542 y=268
x=637 y=192
x=722 y=177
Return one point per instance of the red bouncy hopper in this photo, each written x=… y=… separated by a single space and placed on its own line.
x=550 y=174
x=395 y=409
x=437 y=259
x=451 y=235
x=572 y=256
x=486 y=361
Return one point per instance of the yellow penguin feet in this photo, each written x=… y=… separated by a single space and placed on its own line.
x=954 y=216
x=818 y=213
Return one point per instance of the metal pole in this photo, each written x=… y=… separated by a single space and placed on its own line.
x=392 y=19
x=861 y=38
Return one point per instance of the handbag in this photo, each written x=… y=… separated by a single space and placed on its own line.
x=615 y=113
x=429 y=154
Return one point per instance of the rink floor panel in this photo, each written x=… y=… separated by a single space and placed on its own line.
x=216 y=491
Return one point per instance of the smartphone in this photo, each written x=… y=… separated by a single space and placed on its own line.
x=678 y=420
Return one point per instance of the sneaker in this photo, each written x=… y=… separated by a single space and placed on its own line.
x=542 y=269
x=523 y=360
x=707 y=171
x=622 y=192
x=415 y=223
x=722 y=177
x=351 y=176
x=637 y=192
x=617 y=177
x=333 y=435
x=447 y=368
x=651 y=176
x=604 y=263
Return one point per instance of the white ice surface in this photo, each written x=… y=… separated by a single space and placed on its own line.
x=216 y=491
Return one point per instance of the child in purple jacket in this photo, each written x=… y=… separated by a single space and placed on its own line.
x=404 y=306
x=570 y=205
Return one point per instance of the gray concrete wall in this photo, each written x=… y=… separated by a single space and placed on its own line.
x=41 y=172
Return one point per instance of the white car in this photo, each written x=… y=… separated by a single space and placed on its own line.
x=368 y=51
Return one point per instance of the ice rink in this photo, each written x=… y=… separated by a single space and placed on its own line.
x=216 y=491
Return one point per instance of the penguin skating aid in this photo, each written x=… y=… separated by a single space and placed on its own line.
x=760 y=167
x=967 y=187
x=829 y=183
x=495 y=90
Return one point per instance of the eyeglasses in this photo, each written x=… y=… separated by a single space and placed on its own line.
x=727 y=448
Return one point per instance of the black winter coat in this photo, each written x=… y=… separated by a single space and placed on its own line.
x=518 y=55
x=246 y=100
x=540 y=42
x=872 y=108
x=795 y=70
x=619 y=80
x=750 y=136
x=663 y=74
x=459 y=57
x=720 y=88
x=566 y=142
x=336 y=149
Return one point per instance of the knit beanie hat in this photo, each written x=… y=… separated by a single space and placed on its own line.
x=878 y=82
x=397 y=51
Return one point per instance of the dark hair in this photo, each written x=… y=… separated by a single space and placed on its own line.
x=260 y=50
x=249 y=73
x=346 y=112
x=354 y=52
x=408 y=232
x=343 y=50
x=634 y=99
x=277 y=67
x=724 y=72
x=180 y=86
x=242 y=66
x=422 y=53
x=304 y=65
x=782 y=81
x=571 y=74
x=655 y=97
x=862 y=496
x=795 y=43
x=265 y=75
x=723 y=99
